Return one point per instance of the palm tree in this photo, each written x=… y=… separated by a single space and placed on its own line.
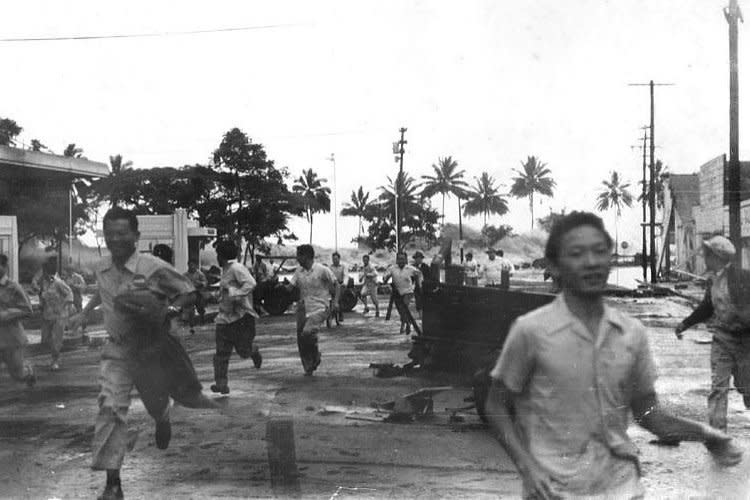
x=360 y=203
x=533 y=178
x=614 y=195
x=446 y=181
x=116 y=169
x=72 y=151
x=485 y=199
x=661 y=172
x=315 y=196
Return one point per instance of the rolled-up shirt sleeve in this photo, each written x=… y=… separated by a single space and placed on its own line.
x=516 y=361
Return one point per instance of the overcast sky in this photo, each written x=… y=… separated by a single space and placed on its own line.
x=487 y=82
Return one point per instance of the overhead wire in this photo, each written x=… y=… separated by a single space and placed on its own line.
x=143 y=35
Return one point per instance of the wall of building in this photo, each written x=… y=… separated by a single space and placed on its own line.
x=712 y=216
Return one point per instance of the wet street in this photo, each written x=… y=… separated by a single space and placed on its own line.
x=342 y=449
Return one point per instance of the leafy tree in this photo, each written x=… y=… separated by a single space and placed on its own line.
x=316 y=197
x=242 y=195
x=445 y=181
x=360 y=201
x=494 y=234
x=661 y=172
x=9 y=130
x=614 y=195
x=420 y=219
x=72 y=151
x=485 y=199
x=534 y=177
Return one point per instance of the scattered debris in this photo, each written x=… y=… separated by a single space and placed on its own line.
x=390 y=370
x=415 y=404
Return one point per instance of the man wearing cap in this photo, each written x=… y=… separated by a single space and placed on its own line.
x=725 y=304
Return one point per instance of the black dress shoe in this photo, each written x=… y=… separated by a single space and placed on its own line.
x=163 y=434
x=257 y=359
x=223 y=389
x=112 y=492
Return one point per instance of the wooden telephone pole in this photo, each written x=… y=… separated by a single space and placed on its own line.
x=733 y=185
x=400 y=178
x=652 y=178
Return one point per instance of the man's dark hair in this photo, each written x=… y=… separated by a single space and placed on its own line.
x=50 y=265
x=469 y=254
x=164 y=252
x=118 y=213
x=336 y=254
x=3 y=259
x=365 y=255
x=306 y=251
x=226 y=249
x=567 y=223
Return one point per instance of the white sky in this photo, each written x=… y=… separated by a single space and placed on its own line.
x=487 y=82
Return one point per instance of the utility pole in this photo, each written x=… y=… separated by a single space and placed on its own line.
x=332 y=159
x=400 y=179
x=652 y=179
x=644 y=202
x=732 y=15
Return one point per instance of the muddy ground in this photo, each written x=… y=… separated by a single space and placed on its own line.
x=45 y=433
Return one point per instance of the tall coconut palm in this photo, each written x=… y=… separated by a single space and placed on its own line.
x=534 y=177
x=117 y=169
x=446 y=181
x=315 y=195
x=485 y=199
x=661 y=172
x=360 y=203
x=614 y=195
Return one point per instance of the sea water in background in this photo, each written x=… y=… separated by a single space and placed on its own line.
x=626 y=276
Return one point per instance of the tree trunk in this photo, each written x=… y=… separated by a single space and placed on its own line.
x=443 y=217
x=460 y=230
x=531 y=207
x=311 y=226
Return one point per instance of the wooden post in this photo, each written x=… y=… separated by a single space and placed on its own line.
x=282 y=459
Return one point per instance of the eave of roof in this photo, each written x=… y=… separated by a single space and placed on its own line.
x=78 y=167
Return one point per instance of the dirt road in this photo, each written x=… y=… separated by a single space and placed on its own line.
x=45 y=433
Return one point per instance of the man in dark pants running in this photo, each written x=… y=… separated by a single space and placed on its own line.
x=316 y=284
x=235 y=323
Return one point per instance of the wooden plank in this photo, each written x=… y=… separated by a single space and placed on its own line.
x=282 y=459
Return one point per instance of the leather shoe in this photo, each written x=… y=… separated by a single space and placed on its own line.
x=111 y=492
x=223 y=389
x=163 y=434
x=257 y=359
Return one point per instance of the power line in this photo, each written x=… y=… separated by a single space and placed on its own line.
x=143 y=35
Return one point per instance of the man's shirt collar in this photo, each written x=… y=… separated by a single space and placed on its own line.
x=565 y=318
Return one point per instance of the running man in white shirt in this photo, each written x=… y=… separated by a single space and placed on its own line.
x=316 y=284
x=404 y=277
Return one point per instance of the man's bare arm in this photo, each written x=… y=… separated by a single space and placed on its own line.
x=650 y=416
x=499 y=407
